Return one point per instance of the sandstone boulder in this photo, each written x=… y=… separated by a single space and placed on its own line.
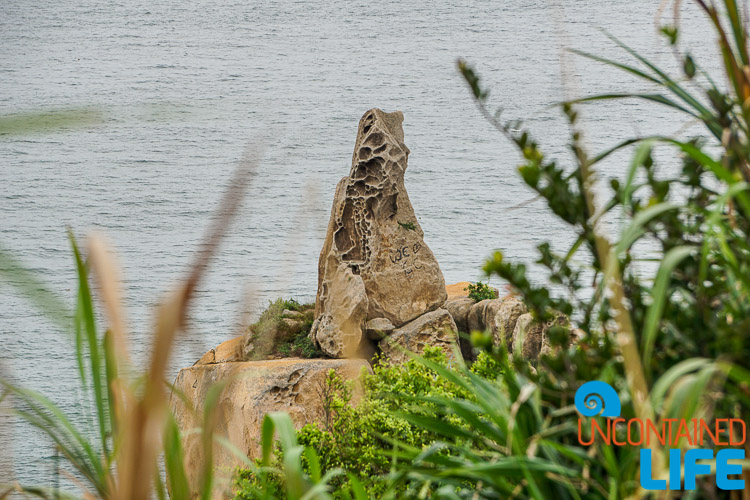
x=498 y=316
x=338 y=330
x=254 y=388
x=208 y=358
x=289 y=328
x=435 y=328
x=531 y=339
x=475 y=318
x=231 y=350
x=527 y=337
x=459 y=309
x=374 y=234
x=501 y=320
x=379 y=328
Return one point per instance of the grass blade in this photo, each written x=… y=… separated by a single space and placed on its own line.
x=659 y=297
x=86 y=308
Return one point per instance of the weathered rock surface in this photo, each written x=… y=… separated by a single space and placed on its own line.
x=475 y=318
x=231 y=350
x=374 y=234
x=379 y=328
x=501 y=321
x=499 y=316
x=289 y=328
x=254 y=389
x=457 y=290
x=507 y=319
x=338 y=330
x=435 y=328
x=527 y=337
x=532 y=339
x=459 y=309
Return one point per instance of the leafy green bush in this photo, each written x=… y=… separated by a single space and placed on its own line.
x=270 y=332
x=361 y=439
x=480 y=291
x=294 y=305
x=302 y=346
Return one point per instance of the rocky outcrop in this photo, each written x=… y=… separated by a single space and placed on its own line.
x=254 y=388
x=498 y=316
x=475 y=318
x=459 y=309
x=527 y=337
x=509 y=322
x=374 y=235
x=501 y=321
x=435 y=328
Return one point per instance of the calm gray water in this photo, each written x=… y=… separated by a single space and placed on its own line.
x=184 y=87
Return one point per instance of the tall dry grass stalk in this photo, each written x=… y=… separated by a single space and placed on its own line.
x=141 y=420
x=132 y=411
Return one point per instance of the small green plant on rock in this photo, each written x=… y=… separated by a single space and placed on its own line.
x=283 y=331
x=481 y=291
x=302 y=346
x=408 y=225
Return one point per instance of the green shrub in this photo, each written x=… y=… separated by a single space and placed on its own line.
x=293 y=305
x=360 y=440
x=264 y=330
x=268 y=332
x=481 y=291
x=301 y=346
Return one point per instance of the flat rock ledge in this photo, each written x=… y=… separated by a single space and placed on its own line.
x=254 y=389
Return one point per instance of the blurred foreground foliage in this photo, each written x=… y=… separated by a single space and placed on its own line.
x=134 y=448
x=673 y=343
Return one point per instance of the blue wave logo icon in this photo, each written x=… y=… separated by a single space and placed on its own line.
x=597 y=398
